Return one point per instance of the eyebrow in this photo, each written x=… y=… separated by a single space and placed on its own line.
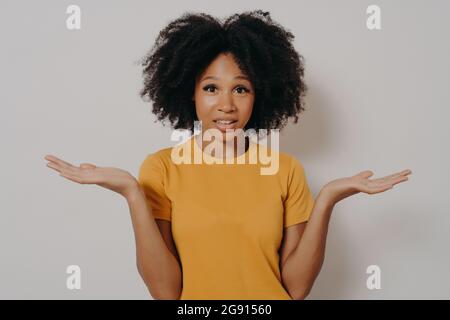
x=215 y=78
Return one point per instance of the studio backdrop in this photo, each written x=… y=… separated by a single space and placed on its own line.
x=378 y=99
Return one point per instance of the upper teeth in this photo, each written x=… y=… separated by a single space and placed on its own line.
x=225 y=121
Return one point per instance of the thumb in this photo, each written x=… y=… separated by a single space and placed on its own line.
x=87 y=166
x=365 y=174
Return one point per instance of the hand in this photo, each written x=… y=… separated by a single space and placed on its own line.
x=114 y=179
x=340 y=189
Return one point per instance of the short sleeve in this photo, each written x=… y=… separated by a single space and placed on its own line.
x=299 y=201
x=152 y=179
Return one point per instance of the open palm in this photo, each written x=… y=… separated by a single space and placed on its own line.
x=344 y=187
x=114 y=179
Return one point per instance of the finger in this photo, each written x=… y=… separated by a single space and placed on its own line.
x=392 y=183
x=70 y=177
x=399 y=180
x=389 y=178
x=365 y=174
x=387 y=182
x=88 y=166
x=54 y=166
x=61 y=163
x=400 y=173
x=393 y=180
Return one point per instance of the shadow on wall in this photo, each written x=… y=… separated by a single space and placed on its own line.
x=307 y=140
x=343 y=273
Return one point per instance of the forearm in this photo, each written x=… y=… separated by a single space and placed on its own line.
x=305 y=262
x=157 y=266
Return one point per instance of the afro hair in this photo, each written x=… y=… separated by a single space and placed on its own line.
x=262 y=49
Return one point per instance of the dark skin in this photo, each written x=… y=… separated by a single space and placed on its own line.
x=223 y=91
x=226 y=92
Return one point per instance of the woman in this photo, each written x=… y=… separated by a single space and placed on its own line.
x=225 y=231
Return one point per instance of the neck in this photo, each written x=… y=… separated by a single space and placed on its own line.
x=223 y=149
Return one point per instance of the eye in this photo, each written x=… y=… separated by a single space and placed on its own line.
x=208 y=88
x=242 y=90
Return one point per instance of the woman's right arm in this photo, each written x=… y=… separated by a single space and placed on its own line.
x=156 y=255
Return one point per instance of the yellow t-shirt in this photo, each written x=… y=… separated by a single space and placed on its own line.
x=227 y=220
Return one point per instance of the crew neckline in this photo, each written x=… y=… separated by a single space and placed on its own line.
x=211 y=158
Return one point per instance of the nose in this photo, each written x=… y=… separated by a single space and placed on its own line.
x=226 y=102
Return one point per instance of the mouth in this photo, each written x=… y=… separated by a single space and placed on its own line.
x=224 y=125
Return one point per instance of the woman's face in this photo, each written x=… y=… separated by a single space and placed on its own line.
x=223 y=92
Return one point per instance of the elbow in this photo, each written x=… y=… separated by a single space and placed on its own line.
x=160 y=290
x=298 y=291
x=164 y=295
x=301 y=294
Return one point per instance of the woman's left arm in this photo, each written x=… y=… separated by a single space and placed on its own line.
x=305 y=262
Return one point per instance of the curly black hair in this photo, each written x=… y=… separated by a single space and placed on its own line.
x=262 y=49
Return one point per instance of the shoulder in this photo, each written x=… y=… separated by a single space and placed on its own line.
x=292 y=172
x=158 y=157
x=156 y=162
x=295 y=172
x=287 y=163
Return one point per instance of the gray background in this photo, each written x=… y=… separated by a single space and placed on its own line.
x=378 y=100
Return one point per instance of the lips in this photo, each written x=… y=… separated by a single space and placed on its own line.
x=223 y=127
